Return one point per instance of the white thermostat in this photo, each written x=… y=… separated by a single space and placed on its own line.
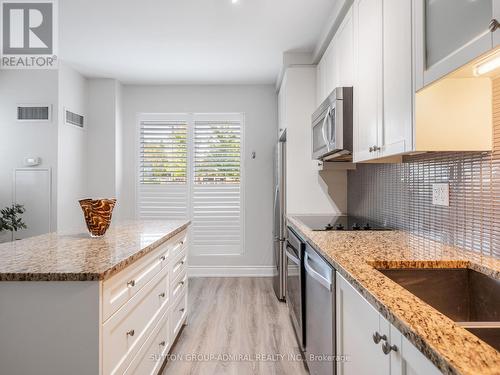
x=32 y=162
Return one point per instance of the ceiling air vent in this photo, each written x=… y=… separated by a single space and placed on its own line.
x=74 y=119
x=33 y=112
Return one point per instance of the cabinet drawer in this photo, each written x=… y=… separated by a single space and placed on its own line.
x=124 y=285
x=178 y=315
x=178 y=286
x=179 y=243
x=178 y=265
x=125 y=332
x=152 y=354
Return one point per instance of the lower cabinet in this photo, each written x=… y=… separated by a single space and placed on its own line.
x=138 y=335
x=369 y=343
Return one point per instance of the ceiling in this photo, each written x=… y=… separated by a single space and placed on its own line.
x=187 y=41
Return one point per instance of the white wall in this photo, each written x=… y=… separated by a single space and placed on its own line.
x=21 y=139
x=72 y=146
x=259 y=103
x=102 y=117
x=308 y=192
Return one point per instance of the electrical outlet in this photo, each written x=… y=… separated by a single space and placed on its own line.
x=441 y=194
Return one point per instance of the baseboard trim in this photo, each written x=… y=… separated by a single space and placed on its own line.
x=231 y=271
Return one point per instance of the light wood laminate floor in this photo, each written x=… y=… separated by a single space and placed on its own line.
x=235 y=326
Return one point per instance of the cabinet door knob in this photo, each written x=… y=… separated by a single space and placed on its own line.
x=163 y=343
x=131 y=283
x=182 y=310
x=377 y=337
x=387 y=348
x=371 y=149
x=131 y=333
x=181 y=282
x=162 y=258
x=494 y=25
x=161 y=295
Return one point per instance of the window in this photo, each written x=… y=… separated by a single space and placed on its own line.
x=190 y=166
x=163 y=168
x=217 y=152
x=163 y=152
x=216 y=194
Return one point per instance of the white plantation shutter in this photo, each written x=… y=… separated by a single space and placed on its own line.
x=163 y=168
x=217 y=215
x=191 y=166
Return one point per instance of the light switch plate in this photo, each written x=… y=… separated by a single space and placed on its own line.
x=441 y=194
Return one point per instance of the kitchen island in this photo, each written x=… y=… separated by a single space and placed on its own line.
x=358 y=255
x=74 y=304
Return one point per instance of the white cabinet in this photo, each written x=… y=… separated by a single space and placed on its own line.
x=281 y=110
x=335 y=69
x=359 y=325
x=383 y=94
x=326 y=74
x=368 y=89
x=450 y=33
x=389 y=118
x=408 y=360
x=356 y=322
x=344 y=40
x=395 y=137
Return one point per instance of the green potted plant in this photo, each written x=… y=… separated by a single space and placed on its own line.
x=11 y=220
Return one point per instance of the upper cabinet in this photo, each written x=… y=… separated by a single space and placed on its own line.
x=390 y=117
x=367 y=92
x=335 y=69
x=451 y=33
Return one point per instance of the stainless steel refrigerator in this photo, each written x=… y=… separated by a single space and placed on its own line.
x=279 y=229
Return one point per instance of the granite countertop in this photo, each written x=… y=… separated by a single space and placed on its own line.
x=78 y=257
x=355 y=255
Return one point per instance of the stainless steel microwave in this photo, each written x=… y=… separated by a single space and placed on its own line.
x=332 y=127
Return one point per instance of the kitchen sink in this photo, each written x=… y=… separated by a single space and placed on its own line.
x=468 y=297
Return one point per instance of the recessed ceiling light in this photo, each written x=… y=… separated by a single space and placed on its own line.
x=234 y=1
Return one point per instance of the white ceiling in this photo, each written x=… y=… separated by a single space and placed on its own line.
x=187 y=41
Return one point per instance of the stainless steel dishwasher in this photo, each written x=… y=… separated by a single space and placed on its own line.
x=319 y=314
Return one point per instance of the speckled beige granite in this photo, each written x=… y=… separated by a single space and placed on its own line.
x=356 y=254
x=78 y=257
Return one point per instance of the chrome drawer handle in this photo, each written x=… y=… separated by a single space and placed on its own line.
x=494 y=25
x=161 y=295
x=387 y=348
x=163 y=343
x=162 y=258
x=131 y=283
x=182 y=310
x=377 y=337
x=181 y=242
x=131 y=333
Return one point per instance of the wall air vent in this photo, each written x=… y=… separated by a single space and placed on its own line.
x=33 y=112
x=74 y=119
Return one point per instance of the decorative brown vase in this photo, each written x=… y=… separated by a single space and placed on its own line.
x=97 y=213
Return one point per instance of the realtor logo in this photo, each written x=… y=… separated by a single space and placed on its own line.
x=29 y=34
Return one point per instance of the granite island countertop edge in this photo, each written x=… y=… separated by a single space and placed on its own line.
x=97 y=275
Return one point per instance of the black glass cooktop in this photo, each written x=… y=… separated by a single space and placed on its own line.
x=341 y=222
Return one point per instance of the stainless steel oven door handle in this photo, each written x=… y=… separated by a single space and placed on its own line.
x=292 y=257
x=316 y=276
